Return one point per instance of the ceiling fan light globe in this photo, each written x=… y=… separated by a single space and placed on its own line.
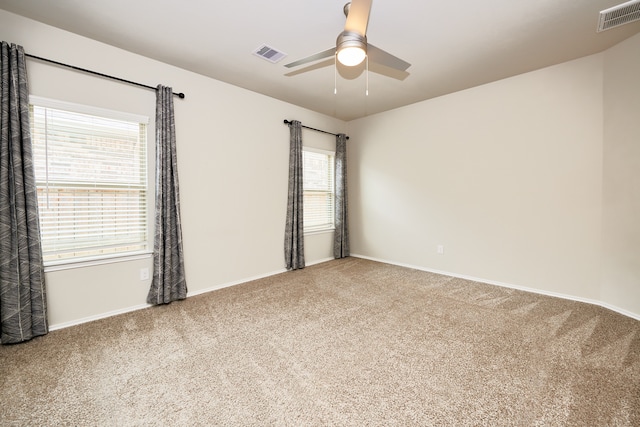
x=351 y=48
x=351 y=56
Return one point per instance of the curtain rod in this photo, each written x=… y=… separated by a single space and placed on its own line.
x=84 y=70
x=286 y=122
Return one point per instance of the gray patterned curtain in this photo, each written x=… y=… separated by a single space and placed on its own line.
x=294 y=232
x=341 y=235
x=23 y=308
x=168 y=283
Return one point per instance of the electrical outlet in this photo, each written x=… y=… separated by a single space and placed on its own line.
x=144 y=274
x=441 y=249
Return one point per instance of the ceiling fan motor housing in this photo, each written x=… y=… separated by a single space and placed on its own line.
x=351 y=39
x=351 y=48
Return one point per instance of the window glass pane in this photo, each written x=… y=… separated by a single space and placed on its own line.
x=318 y=190
x=91 y=174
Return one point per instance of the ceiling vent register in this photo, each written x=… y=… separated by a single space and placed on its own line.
x=619 y=15
x=270 y=54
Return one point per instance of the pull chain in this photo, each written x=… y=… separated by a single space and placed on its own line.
x=367 y=78
x=335 y=74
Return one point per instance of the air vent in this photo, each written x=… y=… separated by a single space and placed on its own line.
x=270 y=54
x=619 y=15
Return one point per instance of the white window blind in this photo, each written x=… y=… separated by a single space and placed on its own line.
x=318 y=166
x=91 y=176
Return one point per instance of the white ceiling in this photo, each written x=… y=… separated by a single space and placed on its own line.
x=452 y=45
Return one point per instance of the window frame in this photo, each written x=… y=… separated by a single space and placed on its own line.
x=99 y=259
x=331 y=227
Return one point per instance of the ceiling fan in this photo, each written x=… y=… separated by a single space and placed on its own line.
x=351 y=46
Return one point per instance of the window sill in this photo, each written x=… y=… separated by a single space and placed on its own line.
x=90 y=262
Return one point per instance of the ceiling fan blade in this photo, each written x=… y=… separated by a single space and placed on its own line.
x=358 y=17
x=384 y=58
x=383 y=70
x=320 y=55
x=316 y=66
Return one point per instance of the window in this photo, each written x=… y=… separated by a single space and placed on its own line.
x=91 y=177
x=318 y=186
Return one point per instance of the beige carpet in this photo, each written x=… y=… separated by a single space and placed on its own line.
x=349 y=343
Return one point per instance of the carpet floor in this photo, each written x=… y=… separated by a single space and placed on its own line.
x=349 y=342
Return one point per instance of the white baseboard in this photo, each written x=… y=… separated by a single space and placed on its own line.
x=98 y=316
x=273 y=273
x=189 y=294
x=509 y=285
x=234 y=283
x=320 y=261
x=250 y=279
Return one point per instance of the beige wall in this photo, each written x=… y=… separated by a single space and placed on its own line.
x=530 y=182
x=621 y=184
x=506 y=176
x=233 y=162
